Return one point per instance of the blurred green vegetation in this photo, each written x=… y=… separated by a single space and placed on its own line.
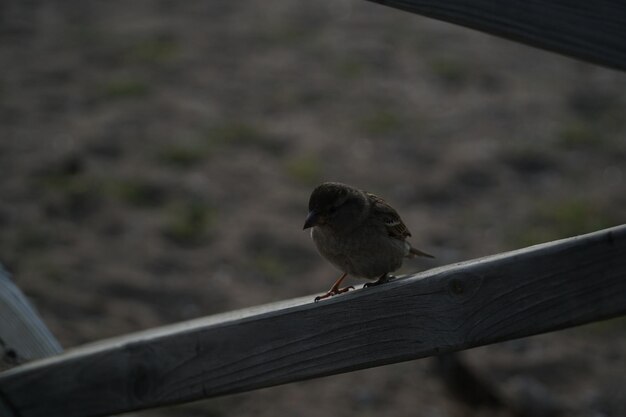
x=281 y=99
x=286 y=33
x=241 y=134
x=381 y=122
x=237 y=133
x=577 y=135
x=218 y=138
x=558 y=219
x=188 y=223
x=154 y=51
x=83 y=34
x=598 y=106
x=350 y=69
x=603 y=327
x=31 y=238
x=68 y=191
x=304 y=169
x=53 y=272
x=450 y=71
x=183 y=156
x=270 y=267
x=528 y=159
x=125 y=87
x=136 y=192
x=597 y=121
x=71 y=191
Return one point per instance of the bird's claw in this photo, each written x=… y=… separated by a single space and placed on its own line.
x=332 y=292
x=381 y=280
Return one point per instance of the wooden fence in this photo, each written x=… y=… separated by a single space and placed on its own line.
x=502 y=297
x=506 y=296
x=593 y=31
x=23 y=336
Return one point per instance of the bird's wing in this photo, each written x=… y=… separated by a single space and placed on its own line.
x=395 y=227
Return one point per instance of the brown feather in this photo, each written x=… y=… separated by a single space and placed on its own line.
x=395 y=226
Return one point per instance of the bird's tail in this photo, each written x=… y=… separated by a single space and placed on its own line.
x=416 y=252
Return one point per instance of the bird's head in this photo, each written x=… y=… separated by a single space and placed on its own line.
x=335 y=205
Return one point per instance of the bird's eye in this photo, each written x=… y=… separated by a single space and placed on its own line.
x=332 y=209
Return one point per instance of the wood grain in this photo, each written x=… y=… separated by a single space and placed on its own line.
x=593 y=31
x=23 y=335
x=506 y=296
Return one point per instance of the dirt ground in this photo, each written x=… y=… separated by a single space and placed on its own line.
x=157 y=157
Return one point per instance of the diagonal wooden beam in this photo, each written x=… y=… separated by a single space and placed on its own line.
x=23 y=335
x=506 y=296
x=593 y=31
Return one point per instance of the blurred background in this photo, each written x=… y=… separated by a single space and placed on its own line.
x=157 y=156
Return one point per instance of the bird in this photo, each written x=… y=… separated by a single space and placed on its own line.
x=359 y=233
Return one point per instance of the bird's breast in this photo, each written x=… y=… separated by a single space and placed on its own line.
x=362 y=253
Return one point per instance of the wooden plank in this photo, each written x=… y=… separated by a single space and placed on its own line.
x=593 y=31
x=5 y=411
x=506 y=296
x=23 y=335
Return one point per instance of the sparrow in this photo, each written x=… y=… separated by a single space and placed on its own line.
x=358 y=232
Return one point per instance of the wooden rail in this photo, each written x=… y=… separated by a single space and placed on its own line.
x=593 y=31
x=23 y=335
x=506 y=296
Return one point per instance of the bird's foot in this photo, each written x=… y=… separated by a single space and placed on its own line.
x=333 y=291
x=381 y=280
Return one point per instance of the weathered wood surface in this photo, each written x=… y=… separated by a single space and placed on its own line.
x=23 y=335
x=506 y=296
x=593 y=31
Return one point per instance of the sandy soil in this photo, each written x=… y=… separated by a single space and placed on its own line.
x=157 y=158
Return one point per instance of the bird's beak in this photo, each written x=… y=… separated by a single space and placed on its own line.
x=311 y=219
